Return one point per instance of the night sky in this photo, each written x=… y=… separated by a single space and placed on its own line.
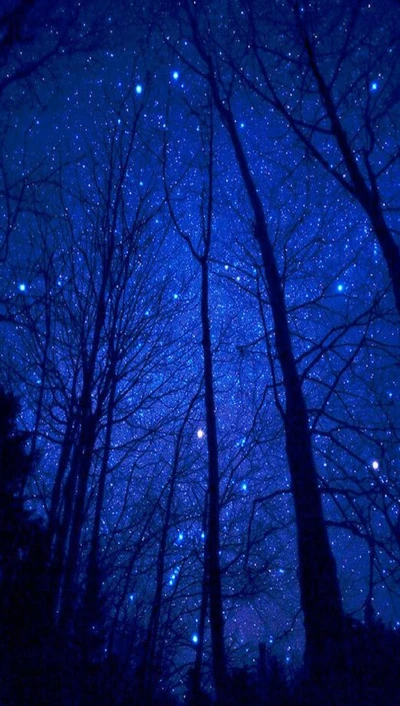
x=97 y=274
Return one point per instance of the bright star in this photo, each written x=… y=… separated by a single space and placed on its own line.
x=200 y=433
x=175 y=75
x=139 y=89
x=22 y=287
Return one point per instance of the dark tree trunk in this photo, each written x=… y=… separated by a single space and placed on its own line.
x=62 y=524
x=213 y=528
x=319 y=587
x=150 y=647
x=195 y=684
x=56 y=493
x=92 y=590
x=83 y=452
x=390 y=250
x=366 y=194
x=212 y=546
x=60 y=510
x=82 y=462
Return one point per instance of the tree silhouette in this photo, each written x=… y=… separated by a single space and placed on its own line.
x=339 y=105
x=320 y=594
x=23 y=610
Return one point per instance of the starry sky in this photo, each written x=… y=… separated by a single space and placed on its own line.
x=97 y=275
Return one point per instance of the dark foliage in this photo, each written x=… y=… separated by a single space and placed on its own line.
x=39 y=663
x=22 y=563
x=366 y=674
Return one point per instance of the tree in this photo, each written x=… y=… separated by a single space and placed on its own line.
x=94 y=326
x=319 y=586
x=336 y=105
x=213 y=540
x=16 y=465
x=151 y=645
x=22 y=561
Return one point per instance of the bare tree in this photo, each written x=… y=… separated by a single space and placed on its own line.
x=95 y=329
x=333 y=76
x=320 y=593
x=213 y=541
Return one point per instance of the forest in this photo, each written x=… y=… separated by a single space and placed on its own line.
x=199 y=352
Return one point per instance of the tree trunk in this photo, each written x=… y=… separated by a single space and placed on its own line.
x=213 y=529
x=367 y=195
x=195 y=676
x=150 y=647
x=82 y=459
x=319 y=587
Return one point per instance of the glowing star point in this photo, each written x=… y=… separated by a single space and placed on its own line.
x=340 y=287
x=195 y=639
x=175 y=75
x=375 y=465
x=200 y=433
x=22 y=287
x=374 y=86
x=139 y=89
